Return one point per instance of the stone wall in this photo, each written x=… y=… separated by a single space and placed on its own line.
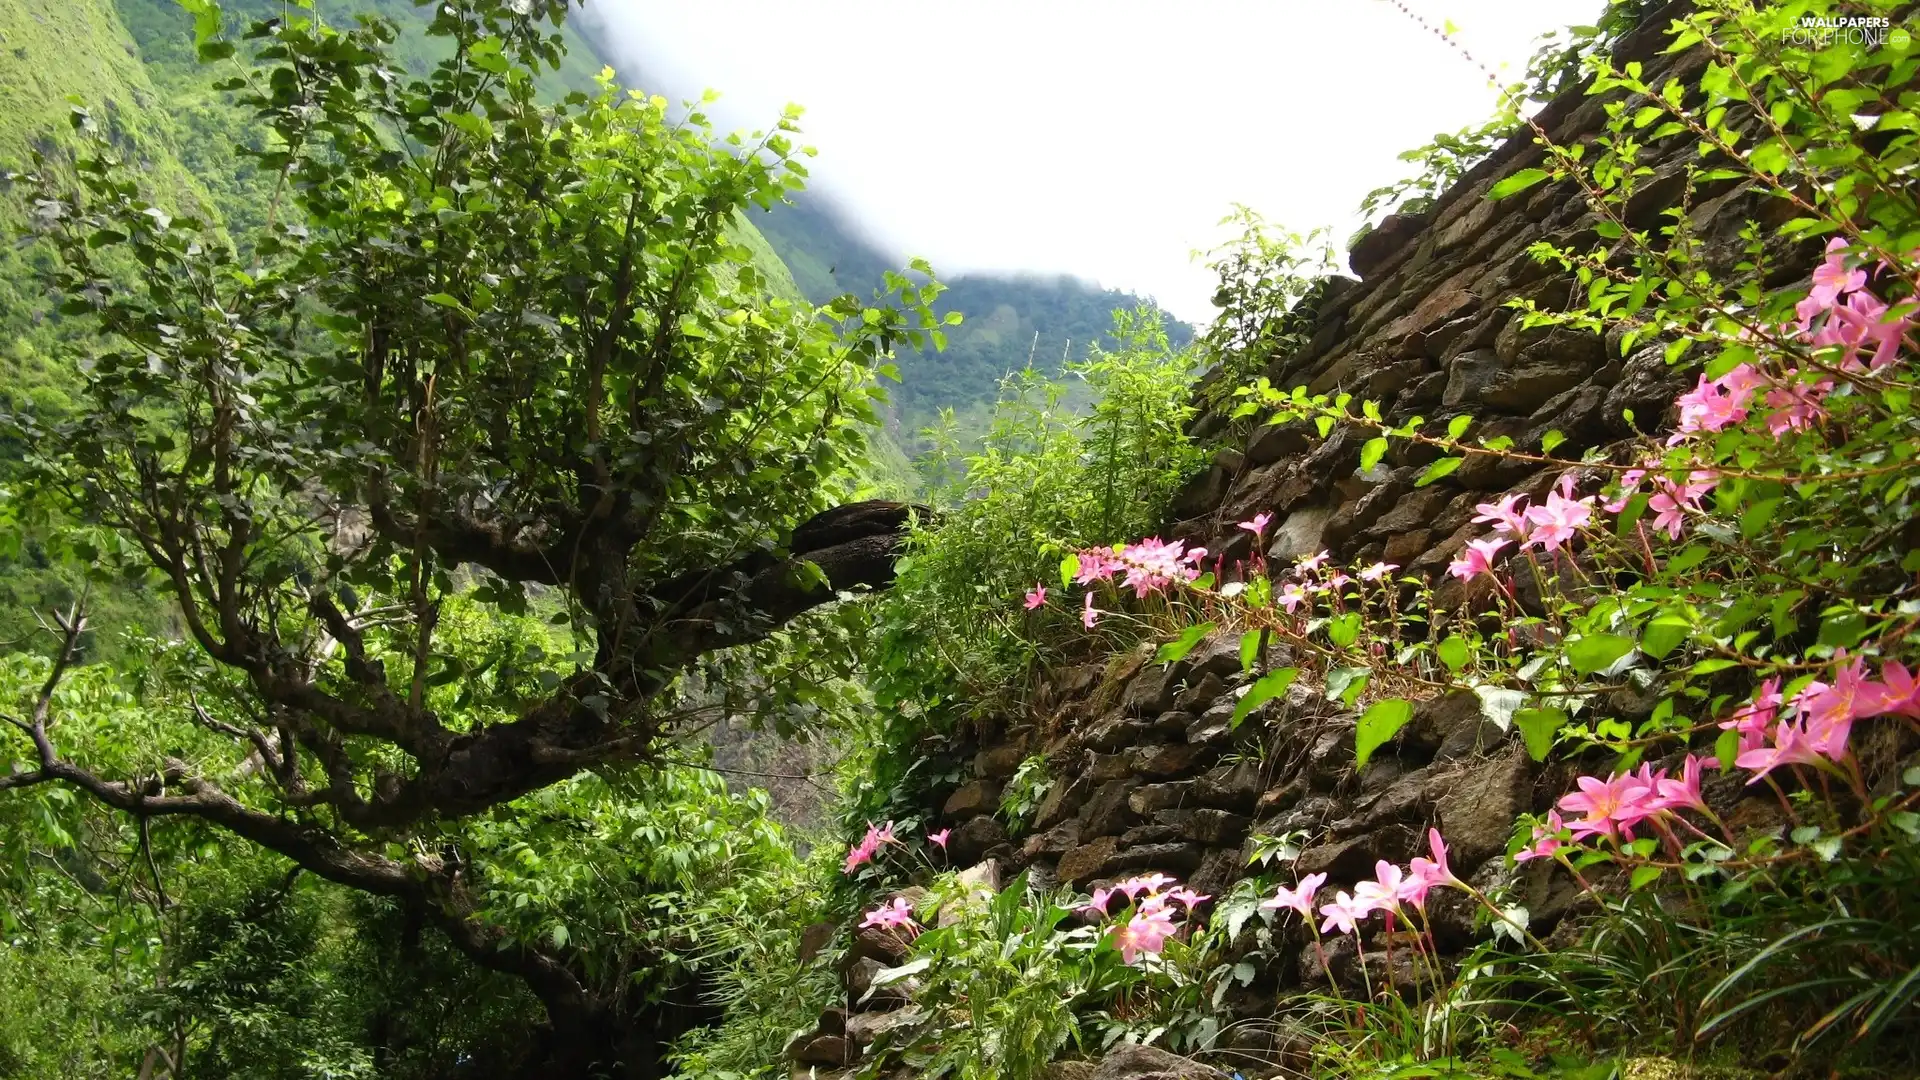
x=1148 y=774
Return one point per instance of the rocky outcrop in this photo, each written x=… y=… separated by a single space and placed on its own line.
x=1149 y=773
x=1428 y=329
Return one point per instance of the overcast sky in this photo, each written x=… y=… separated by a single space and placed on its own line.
x=1101 y=139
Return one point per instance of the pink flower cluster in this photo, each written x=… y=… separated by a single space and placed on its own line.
x=1855 y=319
x=869 y=846
x=1817 y=723
x=1614 y=806
x=896 y=914
x=1150 y=920
x=1838 y=312
x=1548 y=526
x=1385 y=893
x=1671 y=501
x=1149 y=566
x=1715 y=404
x=1811 y=729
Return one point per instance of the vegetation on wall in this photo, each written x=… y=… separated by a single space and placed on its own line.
x=445 y=516
x=490 y=477
x=1749 y=572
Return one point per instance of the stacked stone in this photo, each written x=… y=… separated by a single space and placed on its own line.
x=1425 y=328
x=1148 y=773
x=845 y=1032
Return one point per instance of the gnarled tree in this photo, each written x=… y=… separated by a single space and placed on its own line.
x=489 y=349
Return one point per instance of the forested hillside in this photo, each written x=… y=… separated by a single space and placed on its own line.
x=1011 y=319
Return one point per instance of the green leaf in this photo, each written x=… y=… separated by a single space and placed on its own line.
x=1249 y=649
x=1378 y=724
x=1453 y=652
x=1727 y=748
x=1664 y=634
x=1843 y=628
x=473 y=124
x=1345 y=684
x=1498 y=704
x=1757 y=518
x=1538 y=727
x=1437 y=470
x=1371 y=453
x=889 y=976
x=1550 y=440
x=1693 y=555
x=1177 y=649
x=1344 y=630
x=1265 y=689
x=1069 y=569
x=1458 y=426
x=1518 y=182
x=1643 y=876
x=1597 y=652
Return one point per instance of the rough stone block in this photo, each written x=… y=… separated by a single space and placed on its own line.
x=971 y=799
x=1477 y=813
x=1087 y=861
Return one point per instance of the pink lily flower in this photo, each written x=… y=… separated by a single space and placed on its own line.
x=890 y=916
x=1299 y=898
x=868 y=847
x=1477 y=559
x=1707 y=407
x=1829 y=713
x=1089 y=615
x=1378 y=570
x=1796 y=405
x=1257 y=525
x=1383 y=892
x=1096 y=564
x=1629 y=486
x=1790 y=747
x=1145 y=933
x=1832 y=279
x=857 y=855
x=1186 y=897
x=1603 y=803
x=1557 y=521
x=1037 y=597
x=1755 y=719
x=1343 y=913
x=1899 y=692
x=1147 y=883
x=939 y=839
x=1506 y=516
x=1682 y=793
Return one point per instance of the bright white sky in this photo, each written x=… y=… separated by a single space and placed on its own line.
x=1100 y=138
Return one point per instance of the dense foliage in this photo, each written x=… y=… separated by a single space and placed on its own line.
x=489 y=483
x=450 y=468
x=1747 y=573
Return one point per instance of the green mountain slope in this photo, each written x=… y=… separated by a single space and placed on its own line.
x=131 y=64
x=1011 y=319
